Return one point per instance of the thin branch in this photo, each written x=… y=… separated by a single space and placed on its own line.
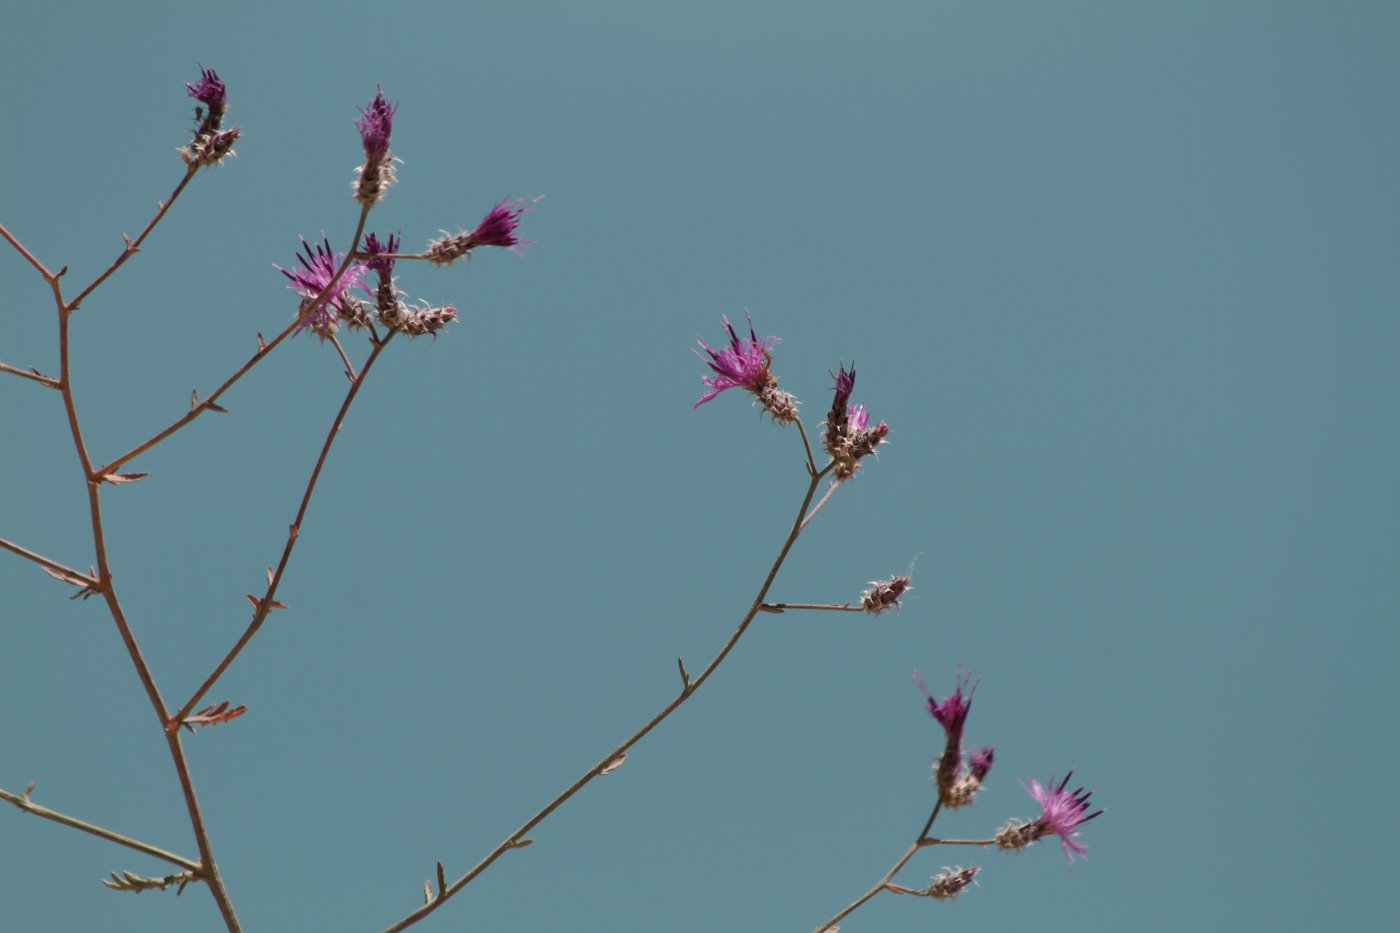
x=209 y=870
x=264 y=348
x=688 y=690
x=30 y=373
x=68 y=574
x=883 y=883
x=23 y=802
x=134 y=246
x=830 y=607
x=13 y=241
x=268 y=602
x=818 y=507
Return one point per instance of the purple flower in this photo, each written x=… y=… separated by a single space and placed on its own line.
x=318 y=268
x=848 y=438
x=375 y=124
x=741 y=365
x=497 y=228
x=980 y=762
x=384 y=265
x=1062 y=812
x=950 y=712
x=210 y=91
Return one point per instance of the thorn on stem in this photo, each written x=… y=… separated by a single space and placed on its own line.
x=442 y=880
x=685 y=675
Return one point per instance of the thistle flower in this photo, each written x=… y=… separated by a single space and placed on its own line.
x=386 y=299
x=956 y=785
x=884 y=594
x=1061 y=813
x=210 y=144
x=376 y=124
x=497 y=228
x=848 y=438
x=318 y=268
x=744 y=364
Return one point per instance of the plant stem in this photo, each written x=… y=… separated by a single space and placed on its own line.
x=879 y=886
x=688 y=690
x=23 y=802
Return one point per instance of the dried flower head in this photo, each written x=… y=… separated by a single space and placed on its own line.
x=884 y=594
x=744 y=364
x=1062 y=812
x=848 y=437
x=949 y=884
x=210 y=143
x=376 y=125
x=425 y=319
x=322 y=315
x=497 y=228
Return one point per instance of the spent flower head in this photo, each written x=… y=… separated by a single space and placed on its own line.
x=318 y=267
x=884 y=594
x=497 y=228
x=952 y=882
x=376 y=125
x=744 y=364
x=1062 y=812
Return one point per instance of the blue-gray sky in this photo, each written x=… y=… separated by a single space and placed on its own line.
x=1121 y=276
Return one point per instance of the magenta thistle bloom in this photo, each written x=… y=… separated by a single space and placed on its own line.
x=210 y=144
x=376 y=124
x=839 y=415
x=384 y=265
x=848 y=438
x=1062 y=812
x=318 y=268
x=744 y=364
x=980 y=762
x=386 y=298
x=950 y=712
x=497 y=228
x=210 y=91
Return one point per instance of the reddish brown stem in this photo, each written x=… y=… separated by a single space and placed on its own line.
x=37 y=376
x=263 y=350
x=67 y=573
x=134 y=246
x=266 y=604
x=13 y=241
x=687 y=691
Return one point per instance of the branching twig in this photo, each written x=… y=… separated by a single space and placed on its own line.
x=883 y=883
x=689 y=686
x=30 y=373
x=134 y=246
x=66 y=574
x=268 y=602
x=28 y=806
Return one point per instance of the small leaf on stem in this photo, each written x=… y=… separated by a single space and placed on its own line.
x=616 y=762
x=213 y=715
x=117 y=479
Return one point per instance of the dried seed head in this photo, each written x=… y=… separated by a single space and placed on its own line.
x=951 y=882
x=884 y=594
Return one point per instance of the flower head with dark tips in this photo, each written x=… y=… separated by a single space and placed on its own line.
x=210 y=143
x=744 y=364
x=848 y=436
x=376 y=125
x=380 y=261
x=318 y=268
x=956 y=785
x=497 y=228
x=1062 y=812
x=884 y=594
